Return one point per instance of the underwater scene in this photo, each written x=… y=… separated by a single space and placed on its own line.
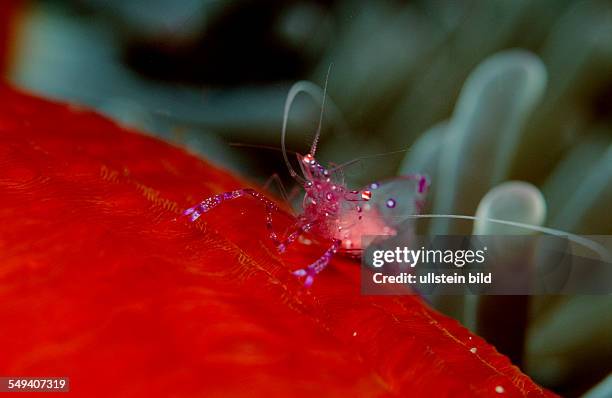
x=190 y=186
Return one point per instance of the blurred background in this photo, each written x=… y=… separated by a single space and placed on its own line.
x=506 y=105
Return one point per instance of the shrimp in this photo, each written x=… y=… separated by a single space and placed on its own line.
x=330 y=210
x=342 y=216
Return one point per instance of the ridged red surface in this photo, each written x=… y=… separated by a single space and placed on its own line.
x=98 y=283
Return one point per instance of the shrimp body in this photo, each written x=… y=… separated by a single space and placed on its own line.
x=330 y=211
x=333 y=212
x=337 y=213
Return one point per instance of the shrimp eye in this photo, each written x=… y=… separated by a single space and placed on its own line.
x=366 y=195
x=308 y=159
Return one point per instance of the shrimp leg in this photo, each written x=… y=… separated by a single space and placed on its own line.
x=302 y=226
x=211 y=202
x=318 y=265
x=275 y=178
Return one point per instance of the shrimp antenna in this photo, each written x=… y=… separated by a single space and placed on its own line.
x=588 y=243
x=315 y=92
x=259 y=146
x=359 y=159
x=313 y=148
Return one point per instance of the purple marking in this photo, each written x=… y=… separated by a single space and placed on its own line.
x=391 y=203
x=374 y=185
x=422 y=184
x=195 y=215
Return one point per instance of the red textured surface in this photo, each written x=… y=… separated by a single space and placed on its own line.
x=98 y=283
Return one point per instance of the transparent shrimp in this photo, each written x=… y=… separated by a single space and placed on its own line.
x=330 y=210
x=342 y=216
